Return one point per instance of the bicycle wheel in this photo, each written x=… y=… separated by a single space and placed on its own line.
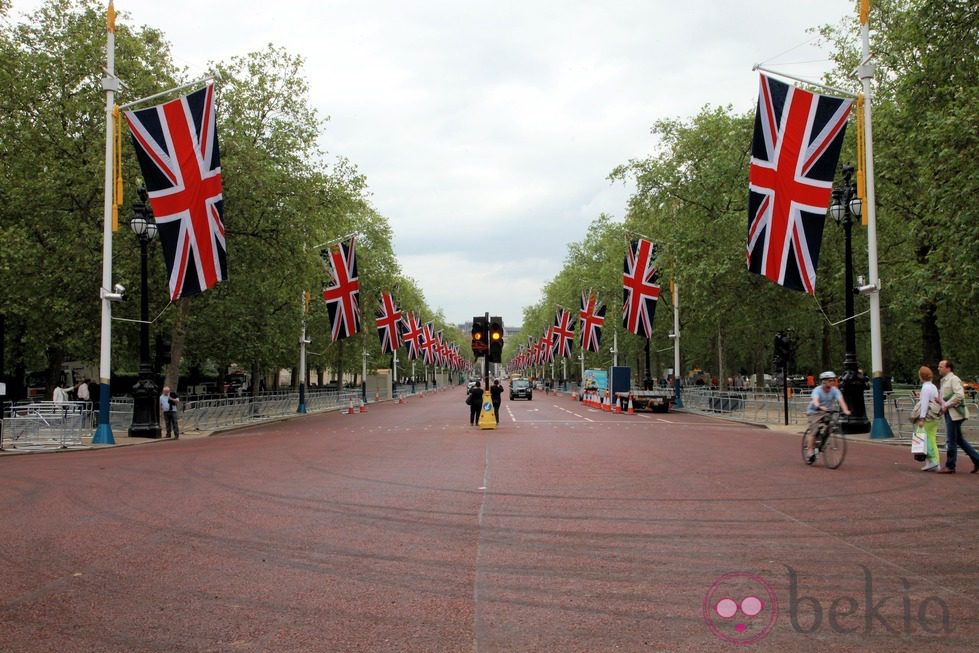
x=834 y=449
x=805 y=458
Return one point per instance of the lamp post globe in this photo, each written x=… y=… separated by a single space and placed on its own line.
x=146 y=410
x=845 y=206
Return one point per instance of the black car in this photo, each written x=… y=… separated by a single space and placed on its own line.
x=521 y=388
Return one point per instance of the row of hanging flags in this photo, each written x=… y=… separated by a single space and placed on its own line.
x=795 y=149
x=640 y=293
x=394 y=326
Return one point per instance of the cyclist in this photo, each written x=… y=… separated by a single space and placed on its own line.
x=823 y=398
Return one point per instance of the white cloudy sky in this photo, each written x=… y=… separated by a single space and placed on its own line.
x=487 y=129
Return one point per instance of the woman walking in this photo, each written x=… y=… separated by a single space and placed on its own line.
x=928 y=419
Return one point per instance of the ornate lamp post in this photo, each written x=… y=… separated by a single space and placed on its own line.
x=845 y=206
x=146 y=411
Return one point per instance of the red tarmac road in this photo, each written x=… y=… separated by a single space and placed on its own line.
x=405 y=529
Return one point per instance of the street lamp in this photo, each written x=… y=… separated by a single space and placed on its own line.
x=146 y=412
x=845 y=206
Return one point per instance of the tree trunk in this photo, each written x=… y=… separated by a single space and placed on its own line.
x=931 y=342
x=177 y=337
x=721 y=377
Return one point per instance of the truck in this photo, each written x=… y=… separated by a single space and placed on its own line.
x=656 y=401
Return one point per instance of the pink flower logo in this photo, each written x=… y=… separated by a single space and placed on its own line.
x=740 y=608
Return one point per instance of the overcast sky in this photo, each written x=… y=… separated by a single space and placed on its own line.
x=486 y=130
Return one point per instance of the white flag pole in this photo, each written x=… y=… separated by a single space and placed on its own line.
x=110 y=83
x=879 y=428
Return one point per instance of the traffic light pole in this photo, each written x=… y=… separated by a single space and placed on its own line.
x=486 y=339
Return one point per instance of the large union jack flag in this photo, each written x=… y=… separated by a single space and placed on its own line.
x=592 y=315
x=639 y=289
x=563 y=333
x=342 y=294
x=412 y=334
x=794 y=152
x=388 y=322
x=177 y=148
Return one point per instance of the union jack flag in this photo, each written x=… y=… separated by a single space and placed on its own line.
x=412 y=334
x=177 y=147
x=794 y=152
x=429 y=344
x=563 y=333
x=592 y=315
x=342 y=295
x=388 y=323
x=639 y=289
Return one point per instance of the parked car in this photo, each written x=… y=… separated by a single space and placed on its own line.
x=521 y=388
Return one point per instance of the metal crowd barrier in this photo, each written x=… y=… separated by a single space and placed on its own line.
x=768 y=408
x=211 y=414
x=46 y=425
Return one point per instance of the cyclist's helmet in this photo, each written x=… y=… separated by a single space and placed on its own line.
x=829 y=375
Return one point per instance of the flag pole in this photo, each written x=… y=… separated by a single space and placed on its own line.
x=110 y=84
x=677 y=392
x=303 y=341
x=879 y=428
x=831 y=89
x=203 y=80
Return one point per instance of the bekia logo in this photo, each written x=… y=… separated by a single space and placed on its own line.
x=740 y=608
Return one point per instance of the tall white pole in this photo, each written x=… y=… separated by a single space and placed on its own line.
x=865 y=71
x=302 y=361
x=394 y=374
x=677 y=388
x=615 y=348
x=110 y=83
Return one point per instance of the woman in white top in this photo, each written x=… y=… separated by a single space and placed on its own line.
x=927 y=395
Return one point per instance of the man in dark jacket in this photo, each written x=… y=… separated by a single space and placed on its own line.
x=475 y=402
x=496 y=392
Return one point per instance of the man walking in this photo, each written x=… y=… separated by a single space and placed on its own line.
x=168 y=406
x=496 y=392
x=953 y=402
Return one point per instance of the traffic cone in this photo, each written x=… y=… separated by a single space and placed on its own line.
x=401 y=398
x=350 y=407
x=618 y=408
x=629 y=410
x=363 y=406
x=607 y=403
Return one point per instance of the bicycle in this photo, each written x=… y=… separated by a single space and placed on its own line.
x=830 y=441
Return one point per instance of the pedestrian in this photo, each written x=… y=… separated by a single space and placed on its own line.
x=168 y=406
x=953 y=405
x=475 y=401
x=81 y=391
x=60 y=395
x=928 y=419
x=496 y=392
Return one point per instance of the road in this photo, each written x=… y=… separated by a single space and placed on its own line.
x=565 y=529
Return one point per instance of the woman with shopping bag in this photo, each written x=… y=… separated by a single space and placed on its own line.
x=925 y=416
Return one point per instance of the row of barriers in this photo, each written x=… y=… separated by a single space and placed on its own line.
x=769 y=408
x=49 y=425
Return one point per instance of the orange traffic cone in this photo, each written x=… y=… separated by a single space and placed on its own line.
x=350 y=407
x=606 y=404
x=363 y=406
x=401 y=398
x=618 y=408
x=629 y=410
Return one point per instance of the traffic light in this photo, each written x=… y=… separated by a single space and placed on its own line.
x=479 y=336
x=496 y=339
x=783 y=349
